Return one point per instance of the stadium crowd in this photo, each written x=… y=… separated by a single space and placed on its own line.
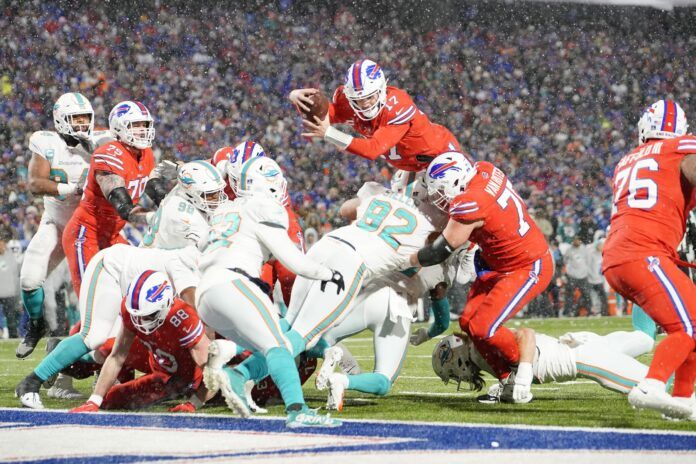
x=554 y=107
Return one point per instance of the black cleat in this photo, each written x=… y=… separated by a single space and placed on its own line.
x=37 y=329
x=28 y=392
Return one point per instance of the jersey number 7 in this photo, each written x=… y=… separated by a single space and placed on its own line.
x=504 y=200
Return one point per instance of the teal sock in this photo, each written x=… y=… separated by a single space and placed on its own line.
x=441 y=309
x=283 y=371
x=284 y=324
x=317 y=351
x=641 y=321
x=67 y=352
x=253 y=368
x=33 y=302
x=374 y=383
x=282 y=308
x=298 y=343
x=73 y=315
x=88 y=358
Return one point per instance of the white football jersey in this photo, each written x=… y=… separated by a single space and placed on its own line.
x=68 y=164
x=233 y=243
x=176 y=224
x=554 y=361
x=125 y=263
x=389 y=228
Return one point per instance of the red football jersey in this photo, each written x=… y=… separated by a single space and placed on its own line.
x=401 y=132
x=509 y=238
x=651 y=202
x=169 y=345
x=133 y=167
x=224 y=153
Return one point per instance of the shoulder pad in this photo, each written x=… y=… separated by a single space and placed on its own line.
x=260 y=209
x=337 y=95
x=403 y=110
x=42 y=141
x=370 y=189
x=100 y=137
x=686 y=144
x=467 y=207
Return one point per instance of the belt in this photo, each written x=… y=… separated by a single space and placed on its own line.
x=344 y=241
x=263 y=286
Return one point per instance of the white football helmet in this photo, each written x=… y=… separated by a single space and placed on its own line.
x=235 y=157
x=409 y=184
x=262 y=176
x=364 y=80
x=122 y=118
x=452 y=361
x=148 y=300
x=446 y=177
x=202 y=184
x=66 y=108
x=664 y=119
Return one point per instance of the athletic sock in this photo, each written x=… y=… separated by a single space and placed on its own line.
x=317 y=351
x=253 y=368
x=374 y=383
x=281 y=366
x=33 y=301
x=670 y=354
x=67 y=352
x=641 y=321
x=441 y=309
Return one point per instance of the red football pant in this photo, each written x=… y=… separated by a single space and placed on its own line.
x=148 y=390
x=80 y=243
x=668 y=296
x=494 y=298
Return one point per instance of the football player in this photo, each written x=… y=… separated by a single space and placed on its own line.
x=608 y=360
x=57 y=170
x=119 y=174
x=108 y=276
x=654 y=191
x=235 y=302
x=229 y=160
x=484 y=208
x=387 y=118
x=176 y=340
x=182 y=217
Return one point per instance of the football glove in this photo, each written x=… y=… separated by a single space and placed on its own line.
x=89 y=406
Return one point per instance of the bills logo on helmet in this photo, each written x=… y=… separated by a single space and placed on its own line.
x=123 y=109
x=438 y=171
x=155 y=294
x=373 y=71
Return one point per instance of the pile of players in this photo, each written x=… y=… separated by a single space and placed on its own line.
x=194 y=308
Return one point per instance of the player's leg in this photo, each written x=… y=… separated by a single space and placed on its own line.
x=80 y=244
x=139 y=393
x=510 y=292
x=641 y=321
x=634 y=343
x=610 y=368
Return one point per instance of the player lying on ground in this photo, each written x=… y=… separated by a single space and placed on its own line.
x=176 y=340
x=391 y=123
x=609 y=360
x=654 y=191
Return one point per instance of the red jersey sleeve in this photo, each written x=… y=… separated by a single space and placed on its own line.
x=686 y=145
x=339 y=108
x=400 y=107
x=109 y=158
x=468 y=207
x=190 y=331
x=380 y=143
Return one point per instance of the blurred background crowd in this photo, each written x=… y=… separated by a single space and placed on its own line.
x=549 y=93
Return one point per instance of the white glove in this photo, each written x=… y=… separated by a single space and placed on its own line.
x=466 y=271
x=521 y=392
x=68 y=189
x=167 y=170
x=419 y=336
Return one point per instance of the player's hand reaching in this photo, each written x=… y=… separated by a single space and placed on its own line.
x=89 y=406
x=316 y=128
x=419 y=337
x=300 y=98
x=336 y=278
x=187 y=407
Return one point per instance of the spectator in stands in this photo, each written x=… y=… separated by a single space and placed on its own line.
x=595 y=278
x=577 y=270
x=9 y=290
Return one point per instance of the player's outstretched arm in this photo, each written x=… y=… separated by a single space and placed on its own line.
x=456 y=234
x=688 y=168
x=349 y=209
x=109 y=371
x=40 y=179
x=300 y=98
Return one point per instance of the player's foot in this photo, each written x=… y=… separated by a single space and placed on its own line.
x=28 y=392
x=255 y=408
x=337 y=384
x=36 y=330
x=51 y=344
x=63 y=389
x=651 y=394
x=493 y=395
x=231 y=386
x=220 y=352
x=332 y=356
x=690 y=402
x=348 y=364
x=306 y=417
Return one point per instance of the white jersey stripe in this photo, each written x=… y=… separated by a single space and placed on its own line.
x=192 y=336
x=408 y=114
x=109 y=157
x=120 y=168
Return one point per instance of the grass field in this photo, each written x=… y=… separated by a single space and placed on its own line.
x=419 y=395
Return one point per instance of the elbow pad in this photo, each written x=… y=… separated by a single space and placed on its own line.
x=435 y=253
x=121 y=201
x=156 y=189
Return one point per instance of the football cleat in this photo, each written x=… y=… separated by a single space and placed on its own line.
x=51 y=345
x=493 y=395
x=332 y=356
x=231 y=386
x=348 y=364
x=255 y=408
x=219 y=354
x=28 y=392
x=36 y=331
x=306 y=417
x=651 y=394
x=690 y=402
x=63 y=389
x=337 y=384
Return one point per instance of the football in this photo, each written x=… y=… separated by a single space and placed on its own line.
x=319 y=107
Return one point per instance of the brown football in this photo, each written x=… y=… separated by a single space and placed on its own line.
x=319 y=107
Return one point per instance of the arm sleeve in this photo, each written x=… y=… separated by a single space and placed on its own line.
x=277 y=241
x=383 y=139
x=467 y=209
x=338 y=108
x=441 y=309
